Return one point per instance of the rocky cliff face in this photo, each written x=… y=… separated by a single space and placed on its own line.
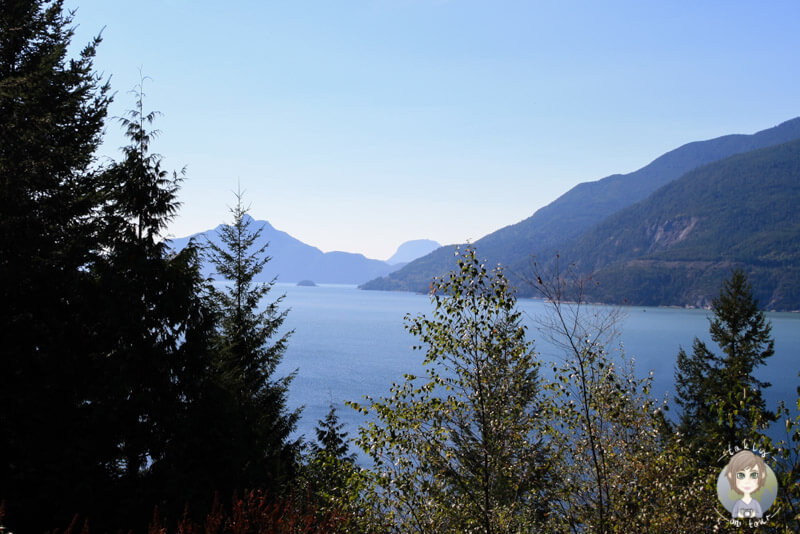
x=673 y=231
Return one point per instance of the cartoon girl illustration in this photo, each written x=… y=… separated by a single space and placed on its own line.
x=746 y=474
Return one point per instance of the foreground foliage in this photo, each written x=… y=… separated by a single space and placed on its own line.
x=602 y=425
x=52 y=112
x=111 y=399
x=458 y=450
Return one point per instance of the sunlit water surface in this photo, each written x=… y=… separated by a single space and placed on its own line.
x=349 y=343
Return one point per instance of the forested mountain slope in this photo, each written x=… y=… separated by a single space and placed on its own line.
x=676 y=246
x=554 y=226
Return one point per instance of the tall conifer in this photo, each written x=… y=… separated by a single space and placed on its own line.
x=155 y=334
x=52 y=110
x=250 y=346
x=721 y=398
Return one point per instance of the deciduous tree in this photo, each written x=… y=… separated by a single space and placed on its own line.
x=786 y=454
x=603 y=427
x=458 y=450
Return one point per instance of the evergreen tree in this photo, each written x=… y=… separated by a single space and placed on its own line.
x=52 y=110
x=155 y=335
x=249 y=348
x=331 y=440
x=721 y=399
x=329 y=479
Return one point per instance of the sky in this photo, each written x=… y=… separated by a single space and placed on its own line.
x=357 y=125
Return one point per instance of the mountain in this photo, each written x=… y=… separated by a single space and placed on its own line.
x=293 y=261
x=678 y=245
x=411 y=250
x=555 y=226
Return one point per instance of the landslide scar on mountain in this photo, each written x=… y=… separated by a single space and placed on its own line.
x=670 y=232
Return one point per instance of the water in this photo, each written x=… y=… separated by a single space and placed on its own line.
x=350 y=343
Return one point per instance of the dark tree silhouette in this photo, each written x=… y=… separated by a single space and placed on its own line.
x=250 y=345
x=720 y=397
x=155 y=334
x=331 y=438
x=52 y=110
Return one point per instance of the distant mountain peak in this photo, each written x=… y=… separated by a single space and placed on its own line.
x=293 y=261
x=248 y=219
x=411 y=250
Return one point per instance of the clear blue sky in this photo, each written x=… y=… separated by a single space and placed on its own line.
x=357 y=125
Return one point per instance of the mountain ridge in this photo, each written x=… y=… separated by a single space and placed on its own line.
x=293 y=261
x=737 y=212
x=411 y=250
x=558 y=224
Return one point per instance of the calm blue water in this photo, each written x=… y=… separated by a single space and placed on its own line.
x=349 y=343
